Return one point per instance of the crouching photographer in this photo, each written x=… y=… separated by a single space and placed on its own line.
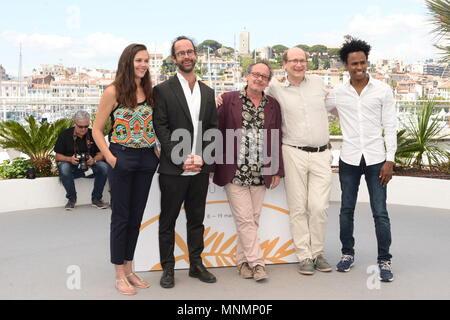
x=77 y=153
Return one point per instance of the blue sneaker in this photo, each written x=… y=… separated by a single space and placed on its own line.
x=386 y=274
x=345 y=264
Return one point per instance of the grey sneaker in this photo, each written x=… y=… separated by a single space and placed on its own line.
x=259 y=273
x=70 y=205
x=306 y=267
x=99 y=204
x=321 y=264
x=245 y=271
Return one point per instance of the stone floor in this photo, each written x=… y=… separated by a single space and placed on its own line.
x=41 y=250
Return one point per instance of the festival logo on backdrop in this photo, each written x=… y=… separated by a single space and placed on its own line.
x=220 y=238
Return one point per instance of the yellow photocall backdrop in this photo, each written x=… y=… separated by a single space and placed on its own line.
x=220 y=232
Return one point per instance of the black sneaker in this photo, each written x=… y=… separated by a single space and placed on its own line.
x=70 y=205
x=99 y=204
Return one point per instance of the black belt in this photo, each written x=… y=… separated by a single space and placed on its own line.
x=312 y=149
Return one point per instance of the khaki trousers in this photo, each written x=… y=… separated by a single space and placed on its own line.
x=246 y=204
x=308 y=184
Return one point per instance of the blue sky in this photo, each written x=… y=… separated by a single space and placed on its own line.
x=93 y=33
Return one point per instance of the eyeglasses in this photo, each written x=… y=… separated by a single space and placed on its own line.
x=297 y=61
x=189 y=52
x=258 y=75
x=81 y=127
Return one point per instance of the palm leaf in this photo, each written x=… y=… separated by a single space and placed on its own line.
x=439 y=11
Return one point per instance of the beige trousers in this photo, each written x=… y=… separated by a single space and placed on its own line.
x=308 y=184
x=246 y=205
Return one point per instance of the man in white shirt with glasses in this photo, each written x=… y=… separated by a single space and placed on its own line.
x=368 y=121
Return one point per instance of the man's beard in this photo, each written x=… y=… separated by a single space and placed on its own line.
x=186 y=69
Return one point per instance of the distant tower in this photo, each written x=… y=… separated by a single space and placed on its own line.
x=244 y=43
x=20 y=71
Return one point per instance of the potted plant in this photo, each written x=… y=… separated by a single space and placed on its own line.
x=34 y=139
x=417 y=144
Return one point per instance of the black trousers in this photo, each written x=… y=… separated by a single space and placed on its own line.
x=192 y=190
x=130 y=183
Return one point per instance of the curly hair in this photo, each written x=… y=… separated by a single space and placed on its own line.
x=354 y=45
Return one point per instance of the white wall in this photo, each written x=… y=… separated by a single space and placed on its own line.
x=408 y=191
x=24 y=194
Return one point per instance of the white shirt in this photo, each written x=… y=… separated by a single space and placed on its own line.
x=193 y=99
x=362 y=119
x=304 y=116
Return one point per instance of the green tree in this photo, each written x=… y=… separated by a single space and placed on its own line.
x=318 y=48
x=35 y=140
x=333 y=52
x=228 y=54
x=279 y=49
x=245 y=63
x=315 y=61
x=304 y=47
x=275 y=65
x=213 y=44
x=168 y=68
x=440 y=15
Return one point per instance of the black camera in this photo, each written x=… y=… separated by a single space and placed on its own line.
x=82 y=164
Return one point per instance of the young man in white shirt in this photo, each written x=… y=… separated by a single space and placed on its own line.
x=366 y=110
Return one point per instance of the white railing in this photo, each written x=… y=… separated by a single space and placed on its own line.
x=53 y=108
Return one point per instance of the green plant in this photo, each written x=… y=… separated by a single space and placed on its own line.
x=334 y=128
x=14 y=169
x=418 y=141
x=35 y=140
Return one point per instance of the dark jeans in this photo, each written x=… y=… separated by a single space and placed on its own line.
x=69 y=172
x=350 y=177
x=130 y=182
x=192 y=190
